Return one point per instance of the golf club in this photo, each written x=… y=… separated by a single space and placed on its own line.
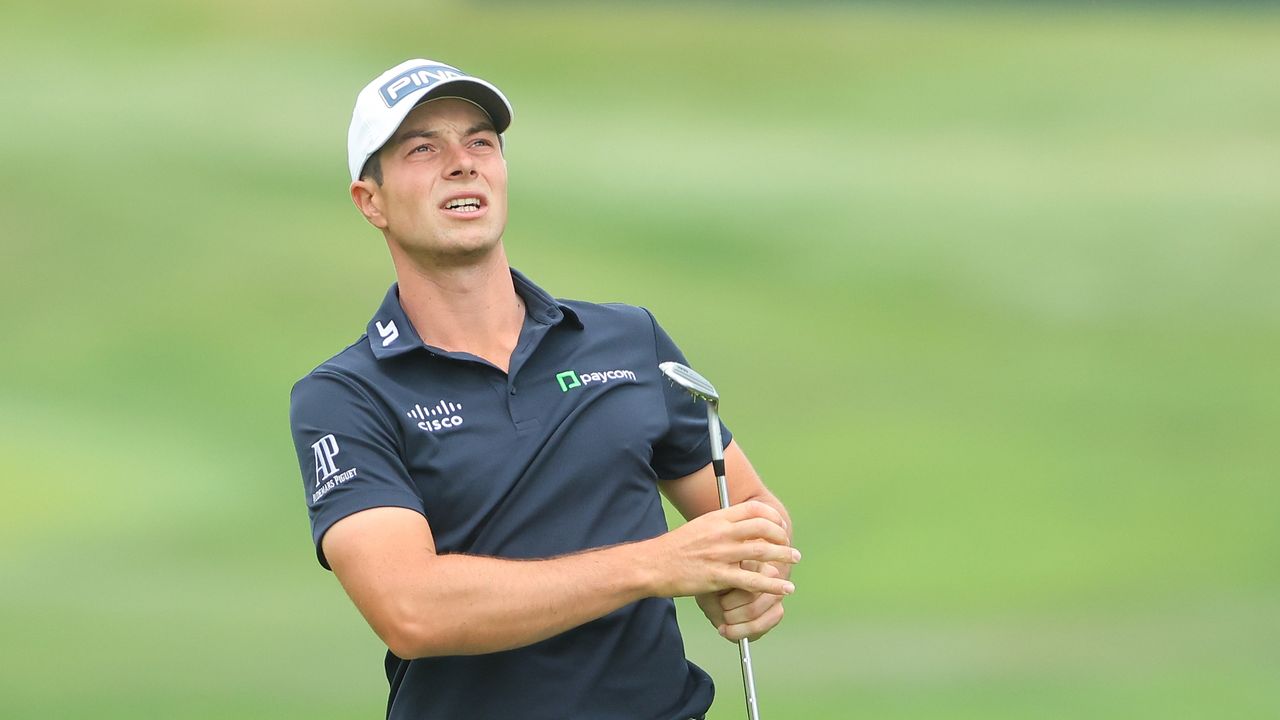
x=685 y=377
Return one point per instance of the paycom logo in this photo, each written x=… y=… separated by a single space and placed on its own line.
x=569 y=379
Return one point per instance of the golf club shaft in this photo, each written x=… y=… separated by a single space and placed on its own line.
x=717 y=463
x=717 y=453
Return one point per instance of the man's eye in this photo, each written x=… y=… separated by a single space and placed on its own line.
x=420 y=148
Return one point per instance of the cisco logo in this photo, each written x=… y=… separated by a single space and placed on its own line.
x=444 y=416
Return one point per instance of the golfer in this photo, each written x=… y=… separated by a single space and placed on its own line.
x=483 y=466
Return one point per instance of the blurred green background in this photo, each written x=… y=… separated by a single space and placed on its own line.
x=996 y=315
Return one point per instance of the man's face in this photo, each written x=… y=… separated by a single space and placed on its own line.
x=443 y=197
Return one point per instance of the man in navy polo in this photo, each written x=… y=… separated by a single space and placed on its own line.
x=483 y=466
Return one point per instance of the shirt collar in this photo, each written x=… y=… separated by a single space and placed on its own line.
x=541 y=306
x=390 y=333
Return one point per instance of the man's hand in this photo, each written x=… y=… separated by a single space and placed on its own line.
x=738 y=614
x=707 y=555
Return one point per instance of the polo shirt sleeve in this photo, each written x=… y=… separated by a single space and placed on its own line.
x=686 y=446
x=348 y=452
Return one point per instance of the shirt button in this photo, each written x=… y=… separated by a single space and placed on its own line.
x=513 y=391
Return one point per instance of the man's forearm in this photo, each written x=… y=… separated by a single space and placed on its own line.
x=467 y=605
x=430 y=604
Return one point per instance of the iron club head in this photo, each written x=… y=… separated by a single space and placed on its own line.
x=685 y=377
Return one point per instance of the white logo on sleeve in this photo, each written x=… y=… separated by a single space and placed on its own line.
x=389 y=332
x=444 y=416
x=326 y=449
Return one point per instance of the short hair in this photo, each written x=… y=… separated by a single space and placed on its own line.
x=373 y=167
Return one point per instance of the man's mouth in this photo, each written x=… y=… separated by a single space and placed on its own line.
x=463 y=204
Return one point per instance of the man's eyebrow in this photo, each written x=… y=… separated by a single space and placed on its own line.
x=408 y=134
x=482 y=126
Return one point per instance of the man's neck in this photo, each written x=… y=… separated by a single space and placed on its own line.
x=470 y=308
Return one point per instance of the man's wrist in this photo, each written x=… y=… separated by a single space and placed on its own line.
x=636 y=570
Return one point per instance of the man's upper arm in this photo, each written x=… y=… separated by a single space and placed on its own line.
x=348 y=452
x=379 y=555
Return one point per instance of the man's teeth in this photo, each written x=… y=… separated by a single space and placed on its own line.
x=463 y=204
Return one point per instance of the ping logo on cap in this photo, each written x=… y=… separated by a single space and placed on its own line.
x=423 y=76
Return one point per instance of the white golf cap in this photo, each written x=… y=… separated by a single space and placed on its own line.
x=383 y=104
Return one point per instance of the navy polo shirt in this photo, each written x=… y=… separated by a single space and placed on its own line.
x=557 y=455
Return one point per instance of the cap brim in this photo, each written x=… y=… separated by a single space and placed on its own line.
x=477 y=91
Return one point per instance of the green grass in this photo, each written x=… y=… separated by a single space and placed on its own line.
x=995 y=313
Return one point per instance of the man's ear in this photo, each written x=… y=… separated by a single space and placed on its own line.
x=366 y=194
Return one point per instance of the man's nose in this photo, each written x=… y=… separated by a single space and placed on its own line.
x=460 y=164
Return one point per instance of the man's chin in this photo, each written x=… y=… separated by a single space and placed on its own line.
x=454 y=252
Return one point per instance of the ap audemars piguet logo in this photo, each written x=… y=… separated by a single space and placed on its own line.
x=327 y=475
